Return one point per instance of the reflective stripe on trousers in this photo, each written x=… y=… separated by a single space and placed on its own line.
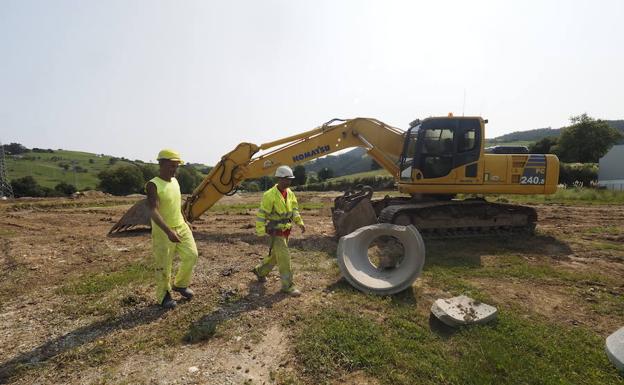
x=278 y=255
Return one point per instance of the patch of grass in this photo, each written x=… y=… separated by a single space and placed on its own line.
x=612 y=230
x=63 y=203
x=6 y=233
x=239 y=208
x=402 y=349
x=449 y=261
x=509 y=266
x=605 y=245
x=605 y=302
x=568 y=196
x=201 y=330
x=103 y=282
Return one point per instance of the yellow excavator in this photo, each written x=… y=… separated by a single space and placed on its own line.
x=432 y=162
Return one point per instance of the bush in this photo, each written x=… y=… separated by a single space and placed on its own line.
x=325 y=173
x=378 y=183
x=250 y=186
x=41 y=150
x=188 y=177
x=28 y=187
x=14 y=149
x=148 y=170
x=586 y=173
x=122 y=180
x=65 y=188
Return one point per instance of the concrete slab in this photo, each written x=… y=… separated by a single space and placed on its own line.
x=356 y=267
x=463 y=310
x=615 y=349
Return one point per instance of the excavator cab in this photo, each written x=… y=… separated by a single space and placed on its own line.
x=435 y=148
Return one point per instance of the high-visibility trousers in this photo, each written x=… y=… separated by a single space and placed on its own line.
x=278 y=255
x=164 y=250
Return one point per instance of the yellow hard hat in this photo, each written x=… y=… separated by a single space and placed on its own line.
x=170 y=154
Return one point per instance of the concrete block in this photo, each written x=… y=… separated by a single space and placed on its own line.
x=615 y=349
x=356 y=267
x=463 y=310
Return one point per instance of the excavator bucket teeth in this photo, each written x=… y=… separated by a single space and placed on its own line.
x=353 y=210
x=137 y=215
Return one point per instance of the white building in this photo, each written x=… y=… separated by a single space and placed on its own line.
x=611 y=169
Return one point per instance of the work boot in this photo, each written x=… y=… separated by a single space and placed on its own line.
x=293 y=292
x=168 y=302
x=261 y=279
x=184 y=291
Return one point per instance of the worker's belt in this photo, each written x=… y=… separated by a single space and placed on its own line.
x=272 y=225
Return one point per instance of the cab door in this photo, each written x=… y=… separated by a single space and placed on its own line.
x=468 y=139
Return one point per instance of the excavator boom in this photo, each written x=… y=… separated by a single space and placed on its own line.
x=384 y=144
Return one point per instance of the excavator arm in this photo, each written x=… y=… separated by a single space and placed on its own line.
x=383 y=142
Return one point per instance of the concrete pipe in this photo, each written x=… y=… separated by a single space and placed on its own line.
x=357 y=268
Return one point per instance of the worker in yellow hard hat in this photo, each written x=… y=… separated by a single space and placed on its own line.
x=278 y=210
x=171 y=233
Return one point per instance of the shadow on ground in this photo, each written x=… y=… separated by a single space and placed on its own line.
x=78 y=337
x=204 y=328
x=468 y=251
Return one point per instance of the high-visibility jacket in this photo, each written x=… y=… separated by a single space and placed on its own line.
x=277 y=213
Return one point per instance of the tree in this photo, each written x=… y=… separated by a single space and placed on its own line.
x=122 y=180
x=325 y=173
x=28 y=187
x=543 y=146
x=265 y=182
x=65 y=188
x=25 y=187
x=300 y=175
x=148 y=170
x=188 y=177
x=14 y=148
x=586 y=140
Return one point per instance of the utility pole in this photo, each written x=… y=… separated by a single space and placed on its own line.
x=6 y=190
x=75 y=180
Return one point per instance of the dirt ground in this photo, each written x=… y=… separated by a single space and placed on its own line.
x=51 y=334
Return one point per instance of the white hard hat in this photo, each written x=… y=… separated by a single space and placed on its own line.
x=284 y=172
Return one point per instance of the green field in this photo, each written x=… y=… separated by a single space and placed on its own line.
x=48 y=170
x=360 y=175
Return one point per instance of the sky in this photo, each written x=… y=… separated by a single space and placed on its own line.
x=129 y=77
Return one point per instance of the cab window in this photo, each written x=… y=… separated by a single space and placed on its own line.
x=467 y=141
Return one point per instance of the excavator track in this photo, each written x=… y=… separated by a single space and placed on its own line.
x=459 y=218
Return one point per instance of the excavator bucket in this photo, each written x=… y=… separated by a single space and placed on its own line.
x=353 y=210
x=137 y=215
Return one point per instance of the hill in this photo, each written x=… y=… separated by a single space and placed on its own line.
x=351 y=162
x=540 y=133
x=50 y=167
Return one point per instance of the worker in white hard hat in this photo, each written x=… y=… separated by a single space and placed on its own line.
x=171 y=233
x=278 y=210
